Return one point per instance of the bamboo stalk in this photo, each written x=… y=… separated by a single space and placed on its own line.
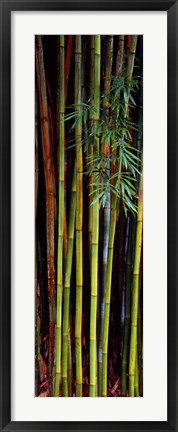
x=135 y=290
x=38 y=373
x=121 y=267
x=79 y=219
x=110 y=250
x=52 y=142
x=67 y=70
x=51 y=115
x=131 y=57
x=65 y=224
x=108 y=298
x=48 y=163
x=120 y=55
x=136 y=380
x=67 y=280
x=95 y=229
x=90 y=147
x=140 y=359
x=69 y=370
x=106 y=211
x=60 y=218
x=58 y=139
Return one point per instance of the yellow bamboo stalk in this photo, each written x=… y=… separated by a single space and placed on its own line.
x=79 y=218
x=135 y=290
x=60 y=218
x=106 y=211
x=67 y=281
x=95 y=228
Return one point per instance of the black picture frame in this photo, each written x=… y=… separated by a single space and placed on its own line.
x=171 y=6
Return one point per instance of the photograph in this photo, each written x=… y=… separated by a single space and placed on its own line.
x=88 y=213
x=88 y=216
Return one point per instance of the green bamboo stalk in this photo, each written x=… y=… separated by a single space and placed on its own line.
x=139 y=147
x=106 y=211
x=67 y=70
x=48 y=169
x=60 y=217
x=111 y=247
x=121 y=280
x=79 y=218
x=135 y=290
x=67 y=280
x=136 y=380
x=131 y=56
x=90 y=155
x=95 y=228
x=69 y=370
x=127 y=312
x=90 y=146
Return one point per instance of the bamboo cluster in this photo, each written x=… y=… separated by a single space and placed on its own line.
x=89 y=216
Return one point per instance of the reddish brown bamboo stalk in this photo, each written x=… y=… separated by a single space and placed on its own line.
x=51 y=114
x=48 y=167
x=52 y=142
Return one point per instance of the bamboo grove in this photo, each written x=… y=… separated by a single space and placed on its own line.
x=89 y=216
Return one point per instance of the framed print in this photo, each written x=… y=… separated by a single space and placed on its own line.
x=88 y=215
